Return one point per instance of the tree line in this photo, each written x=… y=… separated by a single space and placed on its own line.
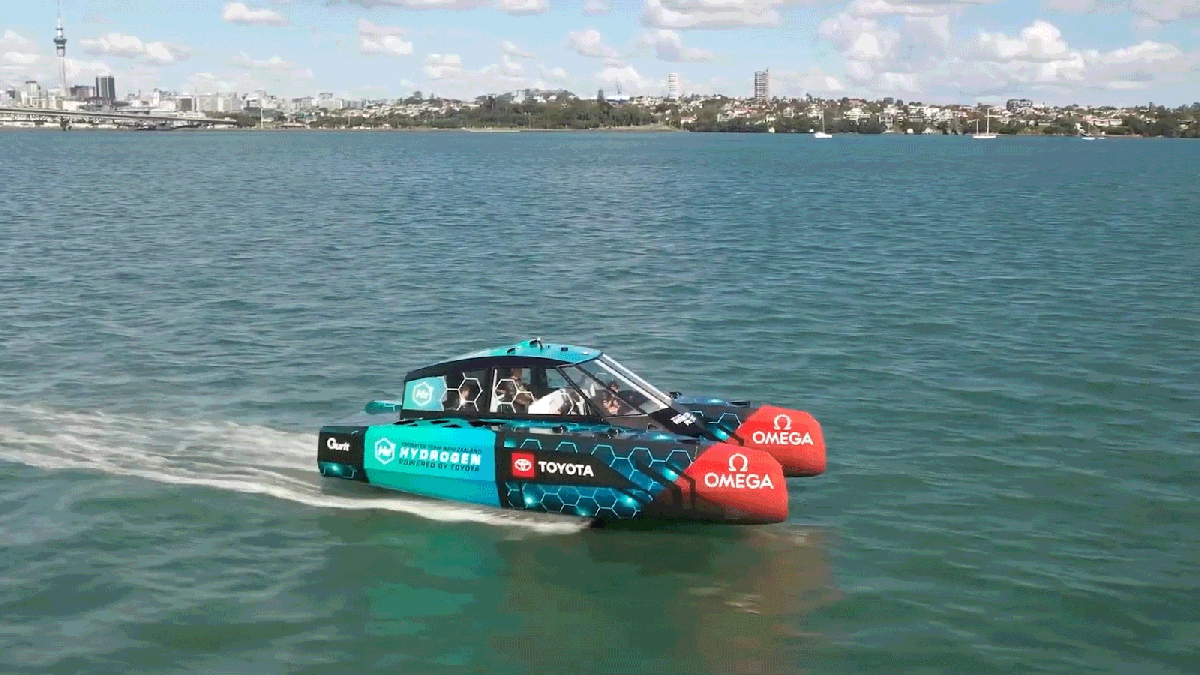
x=571 y=113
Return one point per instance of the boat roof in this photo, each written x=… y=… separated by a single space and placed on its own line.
x=536 y=348
x=523 y=352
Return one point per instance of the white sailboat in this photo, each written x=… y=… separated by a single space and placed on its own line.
x=988 y=133
x=1088 y=136
x=821 y=133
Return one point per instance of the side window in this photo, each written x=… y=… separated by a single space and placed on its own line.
x=464 y=391
x=611 y=396
x=554 y=396
x=427 y=393
x=512 y=390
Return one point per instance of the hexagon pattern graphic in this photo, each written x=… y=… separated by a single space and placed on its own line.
x=579 y=500
x=470 y=403
x=512 y=396
x=599 y=502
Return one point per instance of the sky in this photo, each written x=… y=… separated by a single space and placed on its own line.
x=1098 y=52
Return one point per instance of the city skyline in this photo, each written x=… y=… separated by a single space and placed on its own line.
x=1058 y=51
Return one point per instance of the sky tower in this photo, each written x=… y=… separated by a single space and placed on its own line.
x=60 y=46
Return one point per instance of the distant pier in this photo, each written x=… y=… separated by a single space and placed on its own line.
x=17 y=115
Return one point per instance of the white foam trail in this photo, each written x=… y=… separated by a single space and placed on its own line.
x=222 y=455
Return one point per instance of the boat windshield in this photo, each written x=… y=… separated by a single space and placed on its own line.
x=613 y=389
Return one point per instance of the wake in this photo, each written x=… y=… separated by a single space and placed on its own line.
x=220 y=455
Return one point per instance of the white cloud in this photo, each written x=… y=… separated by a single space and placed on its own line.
x=1072 y=6
x=422 y=4
x=873 y=46
x=86 y=69
x=12 y=40
x=454 y=79
x=131 y=47
x=513 y=7
x=595 y=7
x=916 y=51
x=899 y=82
x=273 y=63
x=237 y=12
x=861 y=39
x=511 y=49
x=689 y=14
x=1158 y=11
x=389 y=45
x=1138 y=67
x=212 y=82
x=668 y=46
x=289 y=82
x=508 y=68
x=627 y=79
x=523 y=7
x=1037 y=58
x=891 y=48
x=554 y=74
x=387 y=40
x=859 y=71
x=1040 y=59
x=919 y=7
x=1166 y=11
x=21 y=58
x=885 y=7
x=812 y=81
x=1145 y=52
x=590 y=43
x=1041 y=41
x=366 y=27
x=18 y=54
x=443 y=66
x=929 y=29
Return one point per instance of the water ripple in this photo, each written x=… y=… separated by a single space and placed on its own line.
x=1000 y=343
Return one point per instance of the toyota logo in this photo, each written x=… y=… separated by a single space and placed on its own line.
x=521 y=464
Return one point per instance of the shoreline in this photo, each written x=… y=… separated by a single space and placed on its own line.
x=648 y=129
x=644 y=129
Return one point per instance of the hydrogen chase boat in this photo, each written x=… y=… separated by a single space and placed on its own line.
x=563 y=429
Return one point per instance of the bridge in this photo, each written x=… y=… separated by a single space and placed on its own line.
x=159 y=120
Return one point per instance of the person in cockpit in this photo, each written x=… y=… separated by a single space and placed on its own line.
x=512 y=390
x=561 y=401
x=612 y=404
x=468 y=394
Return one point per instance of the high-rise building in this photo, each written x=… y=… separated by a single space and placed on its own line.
x=762 y=85
x=106 y=88
x=60 y=47
x=228 y=103
x=673 y=86
x=33 y=95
